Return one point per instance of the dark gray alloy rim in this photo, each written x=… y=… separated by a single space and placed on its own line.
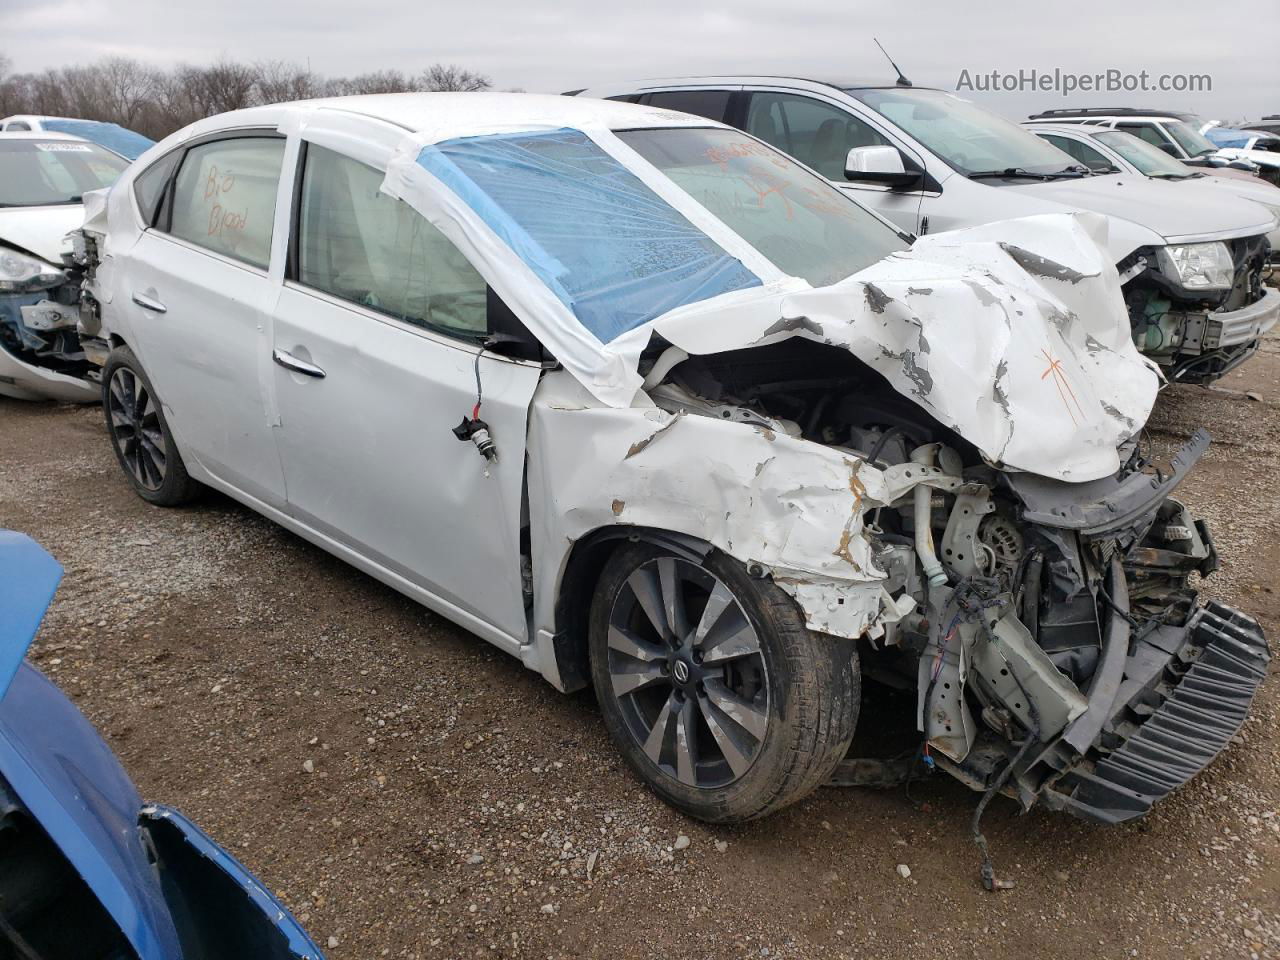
x=687 y=672
x=135 y=428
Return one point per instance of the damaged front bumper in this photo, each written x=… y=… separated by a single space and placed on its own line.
x=1165 y=710
x=1219 y=342
x=40 y=353
x=1096 y=681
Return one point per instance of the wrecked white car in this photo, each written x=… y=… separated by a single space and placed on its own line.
x=645 y=403
x=43 y=177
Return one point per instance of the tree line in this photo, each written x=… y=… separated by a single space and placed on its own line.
x=156 y=102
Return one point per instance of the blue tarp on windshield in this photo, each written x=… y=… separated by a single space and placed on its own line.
x=114 y=137
x=612 y=251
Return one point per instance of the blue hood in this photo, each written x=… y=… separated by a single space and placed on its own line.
x=74 y=787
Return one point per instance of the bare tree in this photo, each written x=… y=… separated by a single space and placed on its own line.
x=223 y=86
x=280 y=81
x=126 y=87
x=156 y=102
x=380 y=81
x=451 y=78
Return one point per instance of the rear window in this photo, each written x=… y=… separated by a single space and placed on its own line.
x=35 y=173
x=711 y=104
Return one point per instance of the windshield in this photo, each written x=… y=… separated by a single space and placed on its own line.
x=110 y=135
x=968 y=138
x=803 y=225
x=1150 y=160
x=36 y=173
x=1188 y=139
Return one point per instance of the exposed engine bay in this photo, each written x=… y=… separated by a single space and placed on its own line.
x=1050 y=630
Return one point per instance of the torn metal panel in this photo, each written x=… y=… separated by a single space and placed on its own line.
x=789 y=507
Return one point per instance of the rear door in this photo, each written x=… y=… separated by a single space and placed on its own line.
x=199 y=302
x=378 y=357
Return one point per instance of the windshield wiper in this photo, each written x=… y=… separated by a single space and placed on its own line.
x=1020 y=173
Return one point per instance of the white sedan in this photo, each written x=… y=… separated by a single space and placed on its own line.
x=43 y=177
x=652 y=407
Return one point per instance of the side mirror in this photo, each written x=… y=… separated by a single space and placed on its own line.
x=1170 y=149
x=879 y=165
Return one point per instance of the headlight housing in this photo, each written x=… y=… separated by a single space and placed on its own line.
x=1197 y=266
x=20 y=273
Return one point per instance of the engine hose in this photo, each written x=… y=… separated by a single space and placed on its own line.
x=923 y=519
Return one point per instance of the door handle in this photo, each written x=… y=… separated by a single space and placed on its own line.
x=149 y=303
x=290 y=362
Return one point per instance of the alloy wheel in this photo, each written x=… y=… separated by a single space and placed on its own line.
x=688 y=673
x=136 y=430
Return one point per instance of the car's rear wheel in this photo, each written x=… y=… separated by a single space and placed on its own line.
x=140 y=435
x=711 y=686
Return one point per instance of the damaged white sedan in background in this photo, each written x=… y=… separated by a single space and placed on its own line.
x=650 y=406
x=43 y=177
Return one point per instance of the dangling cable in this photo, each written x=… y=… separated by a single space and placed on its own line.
x=473 y=428
x=988 y=872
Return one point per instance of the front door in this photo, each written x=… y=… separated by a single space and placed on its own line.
x=377 y=358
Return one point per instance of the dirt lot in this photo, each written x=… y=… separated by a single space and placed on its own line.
x=460 y=807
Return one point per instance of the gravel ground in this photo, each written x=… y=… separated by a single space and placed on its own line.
x=409 y=791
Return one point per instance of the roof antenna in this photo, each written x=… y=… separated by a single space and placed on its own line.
x=902 y=81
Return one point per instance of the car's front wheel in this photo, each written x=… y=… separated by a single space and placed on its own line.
x=140 y=435
x=712 y=687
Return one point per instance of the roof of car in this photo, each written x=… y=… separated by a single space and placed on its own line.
x=38 y=135
x=744 y=79
x=431 y=111
x=1111 y=112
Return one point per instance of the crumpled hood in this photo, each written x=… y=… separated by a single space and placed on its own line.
x=1014 y=334
x=41 y=230
x=1159 y=206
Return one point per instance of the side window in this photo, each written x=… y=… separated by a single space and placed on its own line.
x=1144 y=131
x=1090 y=157
x=367 y=247
x=224 y=198
x=702 y=103
x=17 y=125
x=149 y=186
x=813 y=132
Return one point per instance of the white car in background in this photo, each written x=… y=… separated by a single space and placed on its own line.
x=43 y=178
x=128 y=143
x=1181 y=135
x=1104 y=150
x=1192 y=267
x=652 y=407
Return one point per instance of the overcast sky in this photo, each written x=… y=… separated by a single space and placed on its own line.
x=549 y=47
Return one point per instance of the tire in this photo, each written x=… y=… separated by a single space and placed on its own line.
x=795 y=693
x=140 y=435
